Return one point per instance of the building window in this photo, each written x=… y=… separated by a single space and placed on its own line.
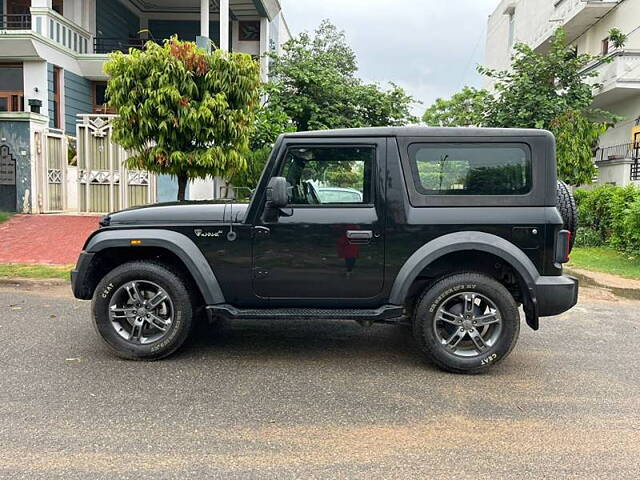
x=11 y=88
x=19 y=7
x=249 y=31
x=100 y=103
x=57 y=97
x=57 y=5
x=607 y=46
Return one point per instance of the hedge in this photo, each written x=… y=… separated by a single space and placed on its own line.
x=609 y=216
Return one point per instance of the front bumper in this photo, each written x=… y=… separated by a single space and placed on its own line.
x=555 y=295
x=79 y=284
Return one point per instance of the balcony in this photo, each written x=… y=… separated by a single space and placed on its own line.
x=576 y=16
x=618 y=164
x=618 y=80
x=625 y=151
x=15 y=22
x=46 y=25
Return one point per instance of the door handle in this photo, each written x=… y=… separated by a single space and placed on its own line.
x=359 y=236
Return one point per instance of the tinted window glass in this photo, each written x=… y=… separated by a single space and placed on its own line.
x=11 y=78
x=329 y=175
x=471 y=169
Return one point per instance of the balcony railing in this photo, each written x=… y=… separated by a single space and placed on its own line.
x=15 y=22
x=51 y=25
x=106 y=45
x=624 y=67
x=618 y=152
x=574 y=16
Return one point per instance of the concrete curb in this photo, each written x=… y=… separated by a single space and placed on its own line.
x=33 y=282
x=619 y=286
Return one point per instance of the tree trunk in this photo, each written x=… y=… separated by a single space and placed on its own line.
x=182 y=186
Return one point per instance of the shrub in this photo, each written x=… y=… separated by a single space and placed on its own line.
x=609 y=215
x=632 y=228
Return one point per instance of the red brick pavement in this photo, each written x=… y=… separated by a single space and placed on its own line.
x=44 y=239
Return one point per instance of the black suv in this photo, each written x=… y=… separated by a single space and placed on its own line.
x=449 y=230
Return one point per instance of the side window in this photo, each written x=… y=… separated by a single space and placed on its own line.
x=330 y=175
x=471 y=169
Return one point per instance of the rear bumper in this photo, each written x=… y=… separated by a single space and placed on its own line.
x=79 y=284
x=556 y=295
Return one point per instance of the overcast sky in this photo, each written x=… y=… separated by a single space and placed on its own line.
x=429 y=47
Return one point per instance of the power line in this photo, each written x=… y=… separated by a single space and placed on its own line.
x=473 y=53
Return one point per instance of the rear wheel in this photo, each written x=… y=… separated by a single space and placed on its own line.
x=466 y=323
x=142 y=311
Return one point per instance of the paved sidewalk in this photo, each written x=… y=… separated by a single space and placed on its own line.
x=44 y=239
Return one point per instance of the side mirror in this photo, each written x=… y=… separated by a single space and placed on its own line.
x=278 y=193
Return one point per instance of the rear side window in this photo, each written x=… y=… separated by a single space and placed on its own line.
x=471 y=169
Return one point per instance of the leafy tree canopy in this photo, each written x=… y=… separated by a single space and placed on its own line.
x=314 y=81
x=183 y=111
x=464 y=109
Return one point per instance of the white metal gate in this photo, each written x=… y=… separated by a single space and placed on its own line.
x=104 y=184
x=54 y=174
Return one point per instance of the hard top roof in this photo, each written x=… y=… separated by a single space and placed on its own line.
x=422 y=132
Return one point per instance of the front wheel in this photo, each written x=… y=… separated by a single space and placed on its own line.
x=142 y=311
x=466 y=323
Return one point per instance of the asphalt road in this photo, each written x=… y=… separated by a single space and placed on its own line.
x=323 y=400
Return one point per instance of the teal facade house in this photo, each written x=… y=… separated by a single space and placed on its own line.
x=52 y=54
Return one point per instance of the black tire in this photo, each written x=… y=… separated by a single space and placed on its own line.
x=438 y=295
x=150 y=273
x=568 y=210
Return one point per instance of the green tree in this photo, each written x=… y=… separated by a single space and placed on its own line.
x=464 y=109
x=270 y=122
x=183 y=111
x=576 y=135
x=552 y=91
x=314 y=81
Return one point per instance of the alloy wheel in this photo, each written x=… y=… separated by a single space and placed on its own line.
x=141 y=312
x=467 y=324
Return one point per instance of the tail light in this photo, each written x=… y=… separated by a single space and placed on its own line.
x=563 y=246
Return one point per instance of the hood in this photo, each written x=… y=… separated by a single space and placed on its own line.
x=177 y=213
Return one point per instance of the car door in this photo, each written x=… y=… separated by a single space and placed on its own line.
x=325 y=250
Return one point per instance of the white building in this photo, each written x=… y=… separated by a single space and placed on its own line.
x=52 y=54
x=587 y=23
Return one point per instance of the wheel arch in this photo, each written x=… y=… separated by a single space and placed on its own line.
x=473 y=241
x=177 y=248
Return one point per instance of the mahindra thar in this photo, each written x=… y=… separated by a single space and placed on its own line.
x=451 y=231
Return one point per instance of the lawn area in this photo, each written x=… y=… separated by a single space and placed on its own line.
x=607 y=260
x=4 y=216
x=35 y=271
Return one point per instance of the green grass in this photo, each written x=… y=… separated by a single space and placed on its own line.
x=606 y=260
x=4 y=216
x=34 y=271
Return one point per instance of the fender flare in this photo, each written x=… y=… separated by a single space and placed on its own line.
x=459 y=241
x=176 y=243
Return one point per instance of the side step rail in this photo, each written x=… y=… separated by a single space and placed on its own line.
x=386 y=313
